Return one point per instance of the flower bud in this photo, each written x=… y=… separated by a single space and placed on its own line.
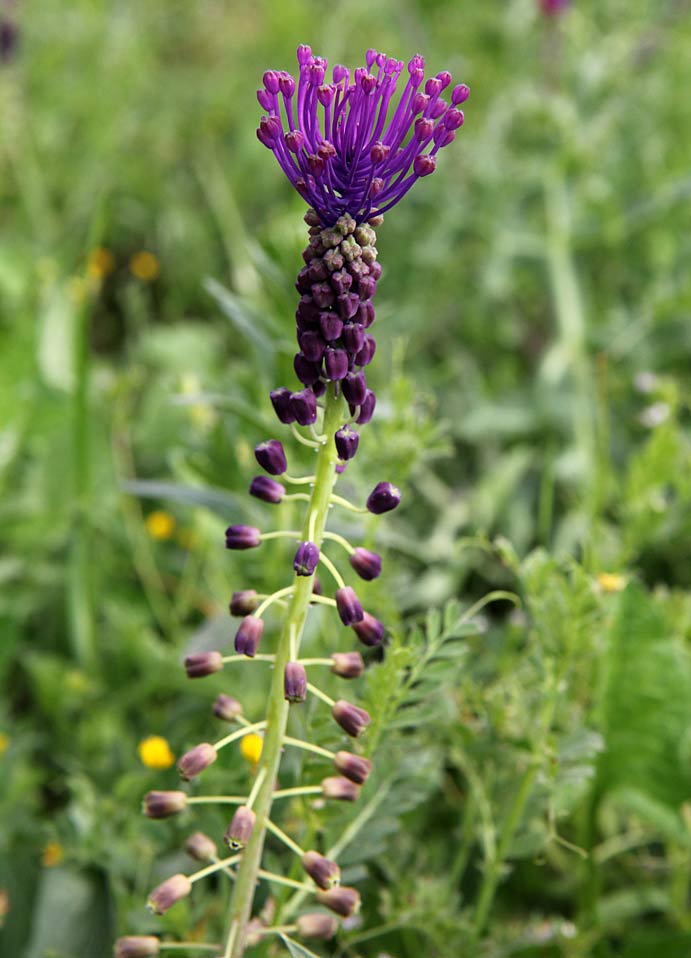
x=348 y=665
x=366 y=314
x=138 y=946
x=354 y=388
x=227 y=708
x=383 y=498
x=460 y=94
x=240 y=829
x=348 y=606
x=341 y=281
x=367 y=564
x=336 y=363
x=355 y=768
x=322 y=294
x=330 y=325
x=280 y=400
x=375 y=270
x=364 y=357
x=370 y=631
x=347 y=305
x=243 y=602
x=322 y=871
x=242 y=537
x=344 y=901
x=164 y=804
x=200 y=847
x=248 y=636
x=196 y=760
x=424 y=164
x=271 y=457
x=307 y=372
x=366 y=408
x=353 y=340
x=347 y=441
x=267 y=489
x=312 y=345
x=303 y=406
x=201 y=664
x=353 y=720
x=306 y=559
x=169 y=892
x=317 y=925
x=340 y=789
x=295 y=682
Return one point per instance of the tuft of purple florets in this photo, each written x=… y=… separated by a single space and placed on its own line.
x=349 y=145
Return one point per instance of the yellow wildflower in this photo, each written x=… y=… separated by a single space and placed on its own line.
x=52 y=855
x=101 y=262
x=160 y=525
x=251 y=747
x=155 y=752
x=145 y=266
x=611 y=581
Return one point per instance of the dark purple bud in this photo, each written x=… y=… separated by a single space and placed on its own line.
x=268 y=130
x=346 y=442
x=312 y=345
x=367 y=287
x=354 y=767
x=348 y=304
x=348 y=606
x=353 y=720
x=307 y=372
x=378 y=152
x=369 y=631
x=323 y=295
x=367 y=564
x=295 y=682
x=326 y=150
x=242 y=537
x=227 y=708
x=344 y=901
x=453 y=119
x=294 y=141
x=303 y=405
x=270 y=81
x=200 y=847
x=168 y=893
x=331 y=326
x=244 y=602
x=271 y=457
x=144 y=946
x=376 y=186
x=366 y=354
x=424 y=164
x=239 y=832
x=420 y=101
x=311 y=217
x=325 y=94
x=304 y=54
x=437 y=109
x=460 y=94
x=315 y=164
x=323 y=872
x=195 y=761
x=375 y=270
x=383 y=498
x=366 y=313
x=286 y=84
x=318 y=388
x=267 y=489
x=336 y=363
x=348 y=665
x=340 y=789
x=433 y=87
x=317 y=270
x=444 y=78
x=341 y=281
x=307 y=313
x=306 y=558
x=248 y=636
x=353 y=338
x=280 y=400
x=164 y=804
x=317 y=925
x=366 y=408
x=354 y=388
x=202 y=664
x=265 y=99
x=424 y=128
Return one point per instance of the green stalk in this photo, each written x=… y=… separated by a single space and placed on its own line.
x=278 y=708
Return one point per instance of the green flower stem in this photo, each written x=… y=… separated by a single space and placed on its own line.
x=278 y=709
x=286 y=839
x=340 y=501
x=216 y=867
x=298 y=790
x=320 y=695
x=308 y=747
x=239 y=733
x=247 y=658
x=341 y=540
x=326 y=561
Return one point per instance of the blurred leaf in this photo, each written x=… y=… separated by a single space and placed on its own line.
x=72 y=916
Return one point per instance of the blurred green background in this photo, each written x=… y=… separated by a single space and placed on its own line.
x=534 y=791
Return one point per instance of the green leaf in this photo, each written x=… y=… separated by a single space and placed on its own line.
x=71 y=916
x=295 y=949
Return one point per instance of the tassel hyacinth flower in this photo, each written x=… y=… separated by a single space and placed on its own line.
x=352 y=146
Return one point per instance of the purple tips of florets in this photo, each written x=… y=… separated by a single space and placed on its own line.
x=240 y=829
x=295 y=682
x=243 y=602
x=227 y=708
x=242 y=537
x=355 y=147
x=347 y=441
x=367 y=564
x=355 y=768
x=383 y=498
x=280 y=400
x=344 y=901
x=168 y=893
x=348 y=665
x=248 y=636
x=369 y=630
x=323 y=872
x=306 y=559
x=353 y=720
x=303 y=406
x=267 y=489
x=202 y=664
x=348 y=605
x=271 y=457
x=195 y=761
x=164 y=804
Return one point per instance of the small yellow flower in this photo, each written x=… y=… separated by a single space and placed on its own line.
x=4 y=742
x=101 y=262
x=160 y=525
x=145 y=266
x=52 y=855
x=155 y=752
x=251 y=747
x=611 y=581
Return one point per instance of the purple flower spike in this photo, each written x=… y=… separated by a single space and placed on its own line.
x=353 y=720
x=295 y=682
x=303 y=405
x=306 y=558
x=248 y=636
x=346 y=442
x=348 y=606
x=367 y=564
x=353 y=147
x=266 y=489
x=383 y=498
x=280 y=400
x=242 y=537
x=369 y=631
x=271 y=457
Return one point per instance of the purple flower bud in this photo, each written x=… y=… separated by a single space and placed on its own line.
x=460 y=94
x=378 y=152
x=436 y=110
x=286 y=84
x=383 y=498
x=294 y=140
x=307 y=313
x=340 y=789
x=347 y=305
x=248 y=636
x=168 y=893
x=303 y=406
x=453 y=119
x=369 y=631
x=317 y=588
x=195 y=761
x=424 y=164
x=331 y=326
x=348 y=606
x=341 y=282
x=242 y=537
x=265 y=99
x=366 y=314
x=271 y=457
x=336 y=363
x=366 y=408
x=295 y=682
x=200 y=847
x=367 y=287
x=270 y=81
x=364 y=357
x=348 y=665
x=323 y=295
x=318 y=388
x=280 y=400
x=355 y=768
x=353 y=720
x=227 y=708
x=201 y=664
x=375 y=270
x=239 y=832
x=243 y=602
x=267 y=489
x=344 y=901
x=312 y=345
x=306 y=558
x=307 y=372
x=317 y=925
x=346 y=442
x=142 y=946
x=304 y=54
x=164 y=804
x=354 y=388
x=322 y=871
x=424 y=127
x=367 y=564
x=353 y=338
